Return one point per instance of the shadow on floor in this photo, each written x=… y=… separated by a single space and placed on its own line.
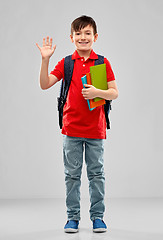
x=84 y=234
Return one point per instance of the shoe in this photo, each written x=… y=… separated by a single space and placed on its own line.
x=71 y=226
x=99 y=226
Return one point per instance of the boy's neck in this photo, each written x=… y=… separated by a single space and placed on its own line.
x=84 y=54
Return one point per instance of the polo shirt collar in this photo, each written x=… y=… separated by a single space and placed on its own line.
x=93 y=55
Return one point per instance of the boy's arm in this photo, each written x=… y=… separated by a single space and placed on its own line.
x=46 y=81
x=110 y=94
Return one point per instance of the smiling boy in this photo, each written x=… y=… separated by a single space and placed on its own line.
x=82 y=128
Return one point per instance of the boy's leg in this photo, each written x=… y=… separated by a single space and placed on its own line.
x=73 y=160
x=94 y=149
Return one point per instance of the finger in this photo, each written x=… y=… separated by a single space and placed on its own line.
x=38 y=46
x=87 y=85
x=51 y=40
x=43 y=42
x=84 y=91
x=85 y=95
x=54 y=47
x=47 y=40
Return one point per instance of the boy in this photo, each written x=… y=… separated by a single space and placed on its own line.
x=82 y=128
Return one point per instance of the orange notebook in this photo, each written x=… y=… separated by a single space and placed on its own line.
x=92 y=103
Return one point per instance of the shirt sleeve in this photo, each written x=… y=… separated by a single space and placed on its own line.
x=58 y=71
x=110 y=74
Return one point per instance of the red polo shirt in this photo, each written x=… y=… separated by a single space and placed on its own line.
x=78 y=120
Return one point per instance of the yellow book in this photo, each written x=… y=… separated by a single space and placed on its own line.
x=99 y=78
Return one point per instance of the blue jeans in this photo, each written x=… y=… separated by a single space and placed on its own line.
x=73 y=148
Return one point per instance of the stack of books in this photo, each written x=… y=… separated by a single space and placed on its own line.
x=98 y=78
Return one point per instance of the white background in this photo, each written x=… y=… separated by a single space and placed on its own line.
x=131 y=37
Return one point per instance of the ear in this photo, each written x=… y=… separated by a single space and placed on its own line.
x=95 y=37
x=71 y=37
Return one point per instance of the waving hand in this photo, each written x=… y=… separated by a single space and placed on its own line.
x=46 y=50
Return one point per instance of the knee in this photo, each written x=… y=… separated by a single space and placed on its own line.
x=96 y=176
x=72 y=177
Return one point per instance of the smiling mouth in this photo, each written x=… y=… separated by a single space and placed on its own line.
x=84 y=43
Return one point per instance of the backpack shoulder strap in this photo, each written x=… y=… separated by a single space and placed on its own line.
x=68 y=69
x=65 y=84
x=100 y=60
x=107 y=106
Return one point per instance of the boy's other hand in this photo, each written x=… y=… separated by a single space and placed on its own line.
x=46 y=50
x=89 y=92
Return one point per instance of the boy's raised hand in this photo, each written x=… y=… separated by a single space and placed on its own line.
x=46 y=50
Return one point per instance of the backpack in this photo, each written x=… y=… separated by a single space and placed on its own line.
x=65 y=84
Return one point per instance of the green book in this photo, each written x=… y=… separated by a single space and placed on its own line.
x=99 y=78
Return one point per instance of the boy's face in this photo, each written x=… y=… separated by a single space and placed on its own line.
x=84 y=38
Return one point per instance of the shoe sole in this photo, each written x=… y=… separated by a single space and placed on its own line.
x=99 y=230
x=71 y=230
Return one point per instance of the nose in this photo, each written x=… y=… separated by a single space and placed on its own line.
x=82 y=36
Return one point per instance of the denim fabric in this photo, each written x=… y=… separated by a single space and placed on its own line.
x=73 y=148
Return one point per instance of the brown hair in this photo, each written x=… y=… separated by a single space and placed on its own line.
x=81 y=22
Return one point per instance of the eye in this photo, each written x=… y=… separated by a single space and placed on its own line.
x=77 y=33
x=88 y=33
